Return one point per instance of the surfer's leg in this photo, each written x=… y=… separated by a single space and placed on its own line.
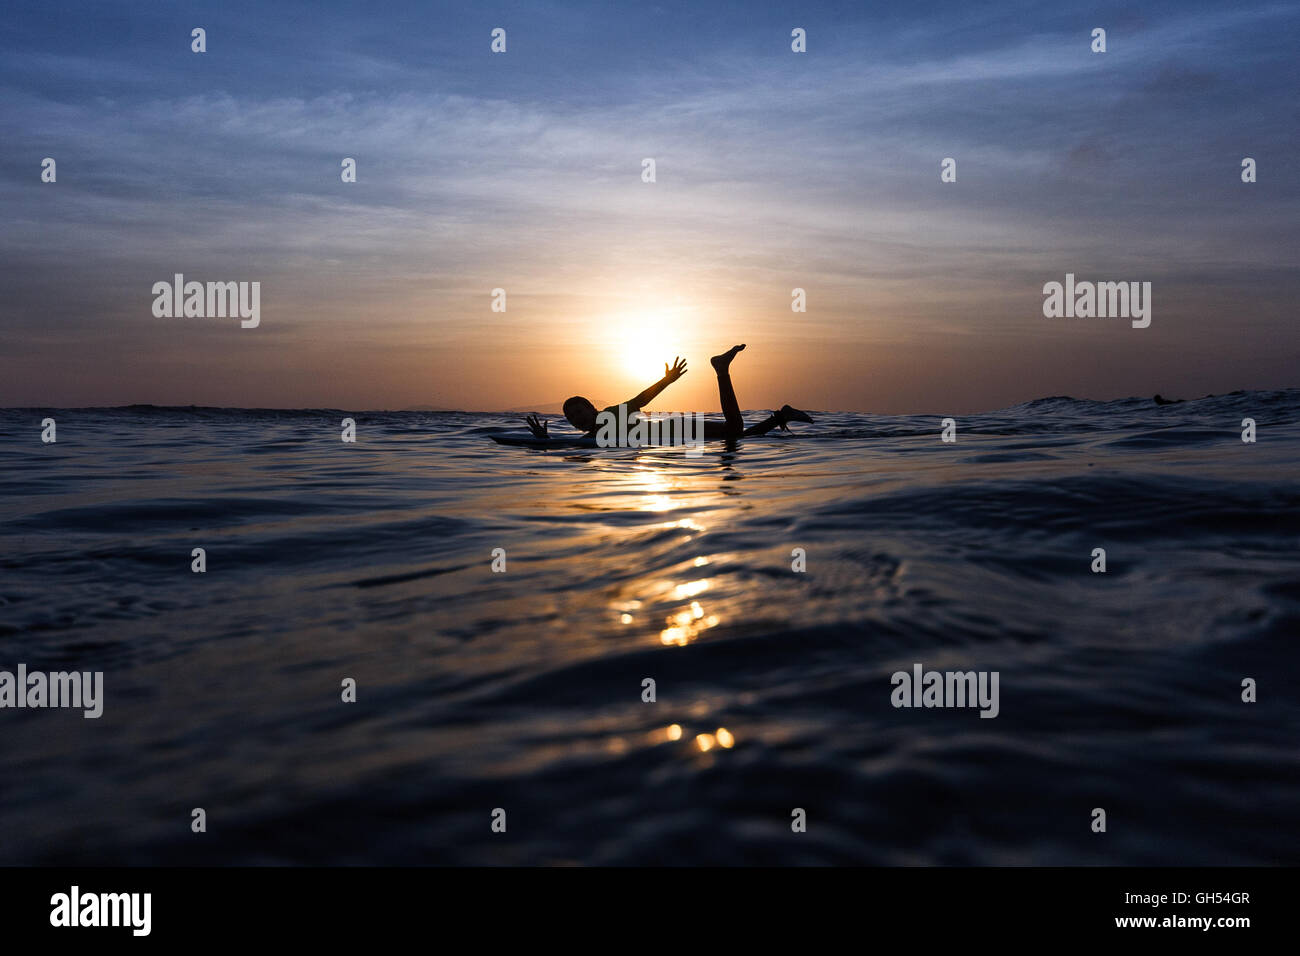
x=730 y=407
x=717 y=430
x=779 y=419
x=765 y=426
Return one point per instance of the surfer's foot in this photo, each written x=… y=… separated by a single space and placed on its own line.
x=789 y=413
x=722 y=362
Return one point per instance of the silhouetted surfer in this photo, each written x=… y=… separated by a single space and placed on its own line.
x=581 y=413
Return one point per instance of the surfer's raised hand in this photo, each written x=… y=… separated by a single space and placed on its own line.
x=536 y=426
x=671 y=374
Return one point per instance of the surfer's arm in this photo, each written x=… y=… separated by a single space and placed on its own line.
x=671 y=374
x=536 y=426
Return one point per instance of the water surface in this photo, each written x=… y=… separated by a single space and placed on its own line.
x=523 y=690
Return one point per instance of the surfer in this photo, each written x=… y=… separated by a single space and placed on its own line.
x=581 y=413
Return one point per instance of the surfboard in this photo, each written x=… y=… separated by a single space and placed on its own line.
x=528 y=441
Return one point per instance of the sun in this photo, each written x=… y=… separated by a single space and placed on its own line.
x=641 y=343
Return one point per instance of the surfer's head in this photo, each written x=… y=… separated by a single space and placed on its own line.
x=580 y=413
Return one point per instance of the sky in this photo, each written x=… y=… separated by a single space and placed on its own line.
x=522 y=170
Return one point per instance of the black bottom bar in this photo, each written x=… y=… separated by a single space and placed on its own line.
x=333 y=906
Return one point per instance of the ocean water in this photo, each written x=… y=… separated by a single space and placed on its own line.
x=522 y=690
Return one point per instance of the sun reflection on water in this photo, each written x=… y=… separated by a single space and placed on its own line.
x=684 y=626
x=659 y=492
x=691 y=588
x=721 y=738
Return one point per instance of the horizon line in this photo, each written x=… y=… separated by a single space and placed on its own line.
x=524 y=409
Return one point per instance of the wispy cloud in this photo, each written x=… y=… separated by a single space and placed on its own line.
x=774 y=170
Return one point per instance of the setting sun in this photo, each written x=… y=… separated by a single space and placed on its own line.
x=641 y=342
x=635 y=345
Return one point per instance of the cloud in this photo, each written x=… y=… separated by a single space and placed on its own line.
x=774 y=169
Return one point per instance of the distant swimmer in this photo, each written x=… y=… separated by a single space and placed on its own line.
x=1167 y=401
x=581 y=413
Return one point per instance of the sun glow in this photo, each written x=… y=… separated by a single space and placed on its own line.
x=641 y=342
